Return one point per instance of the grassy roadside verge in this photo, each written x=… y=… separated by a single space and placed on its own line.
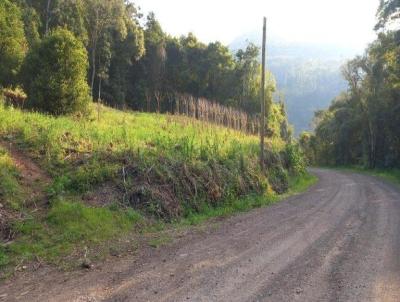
x=160 y=234
x=297 y=185
x=391 y=175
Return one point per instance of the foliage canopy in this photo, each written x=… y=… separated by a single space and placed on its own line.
x=13 y=44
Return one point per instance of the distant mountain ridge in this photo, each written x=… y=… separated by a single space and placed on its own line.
x=308 y=74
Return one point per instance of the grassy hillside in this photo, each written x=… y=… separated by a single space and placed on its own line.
x=100 y=179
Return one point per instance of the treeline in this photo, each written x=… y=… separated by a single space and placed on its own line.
x=362 y=126
x=63 y=52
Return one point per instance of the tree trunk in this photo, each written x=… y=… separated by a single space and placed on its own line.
x=48 y=16
x=93 y=68
x=372 y=146
x=94 y=48
x=157 y=95
x=99 y=98
x=148 y=99
x=98 y=101
x=196 y=113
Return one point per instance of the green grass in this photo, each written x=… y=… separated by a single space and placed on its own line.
x=63 y=139
x=177 y=153
x=68 y=226
x=300 y=184
x=391 y=175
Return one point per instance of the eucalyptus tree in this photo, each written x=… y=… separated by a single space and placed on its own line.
x=32 y=21
x=13 y=44
x=248 y=77
x=195 y=69
x=388 y=12
x=71 y=14
x=220 y=66
x=154 y=61
x=102 y=17
x=124 y=54
x=174 y=66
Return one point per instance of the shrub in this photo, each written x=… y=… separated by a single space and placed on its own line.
x=54 y=75
x=279 y=180
x=14 y=97
x=12 y=42
x=294 y=159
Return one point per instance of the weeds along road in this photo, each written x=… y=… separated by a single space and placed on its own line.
x=338 y=242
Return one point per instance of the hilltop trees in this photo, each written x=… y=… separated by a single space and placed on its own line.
x=55 y=74
x=131 y=62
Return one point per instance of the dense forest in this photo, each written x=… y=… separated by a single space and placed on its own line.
x=125 y=58
x=362 y=125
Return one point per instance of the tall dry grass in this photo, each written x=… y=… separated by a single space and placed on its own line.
x=215 y=113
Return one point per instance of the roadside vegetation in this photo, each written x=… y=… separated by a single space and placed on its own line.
x=130 y=172
x=391 y=175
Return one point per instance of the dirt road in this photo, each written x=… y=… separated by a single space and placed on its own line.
x=338 y=242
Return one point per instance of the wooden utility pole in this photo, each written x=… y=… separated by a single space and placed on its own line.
x=262 y=118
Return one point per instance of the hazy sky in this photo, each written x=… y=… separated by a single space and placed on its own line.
x=347 y=22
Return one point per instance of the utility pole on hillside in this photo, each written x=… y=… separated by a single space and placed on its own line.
x=262 y=118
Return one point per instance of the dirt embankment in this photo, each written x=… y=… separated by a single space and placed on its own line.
x=32 y=182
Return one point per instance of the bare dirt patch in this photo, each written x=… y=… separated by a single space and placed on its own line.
x=32 y=177
x=103 y=195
